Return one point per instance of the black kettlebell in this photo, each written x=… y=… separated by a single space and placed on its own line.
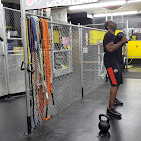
x=120 y=35
x=104 y=125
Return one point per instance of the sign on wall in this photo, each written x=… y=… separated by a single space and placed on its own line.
x=37 y=4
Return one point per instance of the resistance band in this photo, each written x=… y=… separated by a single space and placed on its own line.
x=46 y=46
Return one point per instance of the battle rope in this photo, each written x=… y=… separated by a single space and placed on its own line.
x=46 y=46
x=34 y=77
x=41 y=81
x=34 y=50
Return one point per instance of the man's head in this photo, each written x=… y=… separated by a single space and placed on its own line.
x=110 y=25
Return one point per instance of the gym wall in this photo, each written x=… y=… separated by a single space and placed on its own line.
x=133 y=20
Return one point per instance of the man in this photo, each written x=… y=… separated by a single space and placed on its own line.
x=111 y=46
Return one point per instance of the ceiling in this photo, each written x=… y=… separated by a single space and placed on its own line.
x=125 y=7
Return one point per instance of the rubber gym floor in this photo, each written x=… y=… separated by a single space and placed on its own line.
x=79 y=122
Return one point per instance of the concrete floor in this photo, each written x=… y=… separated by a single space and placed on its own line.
x=79 y=122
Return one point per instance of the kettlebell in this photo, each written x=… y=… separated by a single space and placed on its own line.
x=120 y=35
x=104 y=125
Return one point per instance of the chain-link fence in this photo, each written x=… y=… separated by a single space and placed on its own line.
x=75 y=54
x=13 y=50
x=13 y=31
x=92 y=58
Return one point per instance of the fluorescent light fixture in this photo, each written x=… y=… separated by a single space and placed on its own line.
x=89 y=16
x=101 y=15
x=117 y=14
x=132 y=1
x=125 y=13
x=97 y=5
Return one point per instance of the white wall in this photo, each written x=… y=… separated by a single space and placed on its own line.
x=59 y=14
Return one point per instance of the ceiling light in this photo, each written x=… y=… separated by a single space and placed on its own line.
x=125 y=13
x=101 y=15
x=97 y=5
x=132 y=1
x=89 y=16
x=117 y=14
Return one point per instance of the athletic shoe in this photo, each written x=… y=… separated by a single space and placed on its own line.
x=113 y=112
x=117 y=102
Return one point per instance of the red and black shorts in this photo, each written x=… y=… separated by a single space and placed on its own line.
x=114 y=74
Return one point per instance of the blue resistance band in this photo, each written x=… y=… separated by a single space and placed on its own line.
x=34 y=34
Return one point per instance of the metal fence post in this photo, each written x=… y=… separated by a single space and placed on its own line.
x=81 y=57
x=126 y=45
x=70 y=52
x=23 y=19
x=5 y=49
x=52 y=44
x=98 y=43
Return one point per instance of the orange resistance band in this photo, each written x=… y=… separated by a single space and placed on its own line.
x=46 y=48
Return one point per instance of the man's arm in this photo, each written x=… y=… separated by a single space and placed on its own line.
x=110 y=47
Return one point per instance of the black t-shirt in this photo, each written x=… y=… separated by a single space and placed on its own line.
x=114 y=56
x=119 y=55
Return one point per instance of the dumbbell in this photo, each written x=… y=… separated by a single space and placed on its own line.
x=120 y=35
